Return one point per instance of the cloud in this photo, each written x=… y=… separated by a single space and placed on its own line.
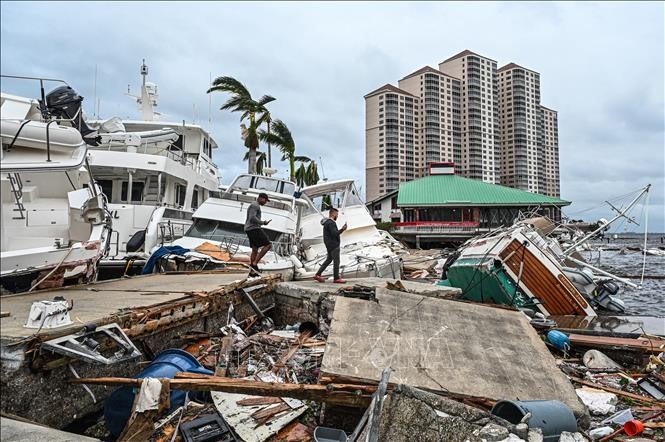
x=601 y=68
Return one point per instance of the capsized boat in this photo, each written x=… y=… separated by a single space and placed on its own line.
x=55 y=225
x=514 y=266
x=364 y=251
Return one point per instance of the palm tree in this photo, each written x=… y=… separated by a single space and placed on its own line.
x=261 y=161
x=306 y=176
x=281 y=137
x=254 y=111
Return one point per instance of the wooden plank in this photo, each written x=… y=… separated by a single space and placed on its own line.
x=336 y=394
x=261 y=400
x=651 y=345
x=265 y=413
x=618 y=392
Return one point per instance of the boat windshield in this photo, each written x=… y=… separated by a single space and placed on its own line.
x=339 y=198
x=224 y=232
x=264 y=184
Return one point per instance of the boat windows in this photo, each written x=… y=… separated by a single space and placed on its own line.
x=178 y=144
x=107 y=188
x=137 y=191
x=224 y=232
x=195 y=198
x=264 y=184
x=207 y=147
x=180 y=193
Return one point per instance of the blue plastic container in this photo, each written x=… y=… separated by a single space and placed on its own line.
x=559 y=339
x=553 y=417
x=118 y=407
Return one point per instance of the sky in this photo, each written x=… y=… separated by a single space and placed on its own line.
x=601 y=66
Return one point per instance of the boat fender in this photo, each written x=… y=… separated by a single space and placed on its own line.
x=559 y=339
x=136 y=241
x=296 y=262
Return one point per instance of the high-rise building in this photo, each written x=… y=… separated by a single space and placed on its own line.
x=480 y=119
x=521 y=128
x=551 y=152
x=488 y=121
x=438 y=119
x=392 y=148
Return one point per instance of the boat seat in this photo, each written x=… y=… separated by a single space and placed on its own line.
x=13 y=109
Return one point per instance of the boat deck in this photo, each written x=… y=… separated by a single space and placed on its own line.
x=96 y=301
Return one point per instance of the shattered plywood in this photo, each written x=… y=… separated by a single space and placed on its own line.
x=442 y=345
x=255 y=423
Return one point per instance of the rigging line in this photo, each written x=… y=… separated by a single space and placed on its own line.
x=644 y=250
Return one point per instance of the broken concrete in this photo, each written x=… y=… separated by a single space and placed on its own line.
x=444 y=345
x=18 y=431
x=410 y=411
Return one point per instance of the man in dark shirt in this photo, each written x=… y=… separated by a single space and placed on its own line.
x=332 y=241
x=257 y=236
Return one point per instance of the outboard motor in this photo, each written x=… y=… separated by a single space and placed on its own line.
x=64 y=102
x=606 y=297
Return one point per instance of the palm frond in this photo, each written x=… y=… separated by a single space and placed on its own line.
x=302 y=159
x=231 y=85
x=265 y=100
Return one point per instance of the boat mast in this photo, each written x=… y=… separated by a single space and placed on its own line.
x=621 y=213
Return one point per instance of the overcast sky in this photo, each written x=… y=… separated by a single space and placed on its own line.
x=601 y=67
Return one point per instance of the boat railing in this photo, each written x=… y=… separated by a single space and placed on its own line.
x=232 y=244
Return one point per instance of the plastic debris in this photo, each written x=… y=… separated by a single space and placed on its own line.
x=597 y=359
x=598 y=401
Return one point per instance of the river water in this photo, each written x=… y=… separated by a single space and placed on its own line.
x=650 y=298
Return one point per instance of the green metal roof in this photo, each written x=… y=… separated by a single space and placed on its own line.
x=454 y=190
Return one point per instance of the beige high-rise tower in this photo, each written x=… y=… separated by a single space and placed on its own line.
x=392 y=148
x=551 y=152
x=488 y=121
x=480 y=119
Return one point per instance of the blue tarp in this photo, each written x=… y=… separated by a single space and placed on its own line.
x=162 y=251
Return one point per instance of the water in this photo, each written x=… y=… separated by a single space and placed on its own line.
x=650 y=299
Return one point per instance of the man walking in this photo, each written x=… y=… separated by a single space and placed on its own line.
x=258 y=239
x=332 y=242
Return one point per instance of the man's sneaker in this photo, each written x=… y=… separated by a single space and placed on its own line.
x=340 y=281
x=320 y=278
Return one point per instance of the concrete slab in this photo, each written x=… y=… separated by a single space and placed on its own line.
x=315 y=290
x=441 y=344
x=96 y=301
x=17 y=431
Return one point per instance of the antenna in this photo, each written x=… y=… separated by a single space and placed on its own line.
x=323 y=173
x=210 y=105
x=95 y=101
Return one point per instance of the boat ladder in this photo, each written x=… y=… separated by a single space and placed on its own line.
x=17 y=190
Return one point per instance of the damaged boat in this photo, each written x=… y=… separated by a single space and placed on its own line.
x=55 y=223
x=364 y=251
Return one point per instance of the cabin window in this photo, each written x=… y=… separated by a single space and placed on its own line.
x=178 y=144
x=225 y=232
x=137 y=191
x=195 y=198
x=180 y=193
x=207 y=147
x=107 y=188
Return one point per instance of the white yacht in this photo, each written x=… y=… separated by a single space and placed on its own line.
x=217 y=236
x=365 y=250
x=54 y=224
x=154 y=174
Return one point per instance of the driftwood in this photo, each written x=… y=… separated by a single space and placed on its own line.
x=648 y=345
x=349 y=395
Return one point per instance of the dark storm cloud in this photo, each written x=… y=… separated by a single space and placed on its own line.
x=601 y=68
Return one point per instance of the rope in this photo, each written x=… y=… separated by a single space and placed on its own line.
x=644 y=249
x=53 y=270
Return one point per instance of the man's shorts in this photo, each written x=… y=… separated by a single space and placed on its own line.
x=257 y=238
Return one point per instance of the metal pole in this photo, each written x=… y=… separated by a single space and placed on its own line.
x=630 y=206
x=603 y=272
x=269 y=146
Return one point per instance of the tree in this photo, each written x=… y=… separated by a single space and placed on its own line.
x=307 y=176
x=261 y=161
x=280 y=136
x=253 y=111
